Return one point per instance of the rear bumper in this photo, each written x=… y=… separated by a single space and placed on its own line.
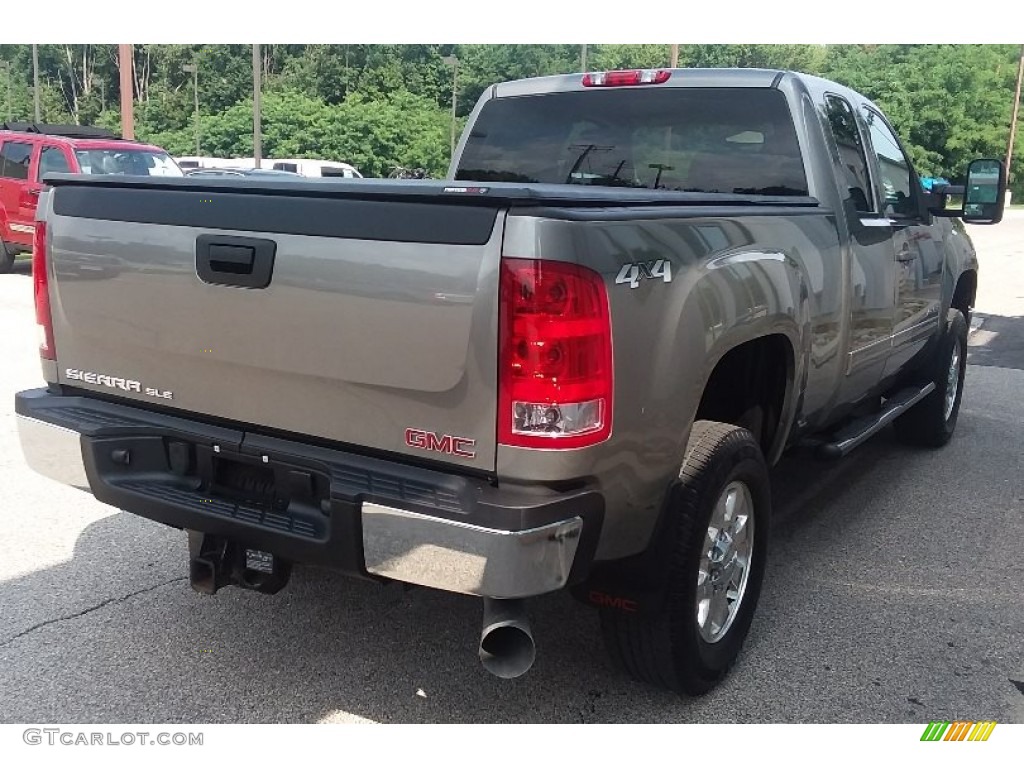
x=369 y=517
x=53 y=451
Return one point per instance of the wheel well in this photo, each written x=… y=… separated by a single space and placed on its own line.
x=748 y=387
x=965 y=292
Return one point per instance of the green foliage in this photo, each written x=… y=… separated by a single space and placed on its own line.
x=383 y=105
x=800 y=58
x=484 y=65
x=949 y=103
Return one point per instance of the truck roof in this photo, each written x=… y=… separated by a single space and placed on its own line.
x=81 y=143
x=680 y=78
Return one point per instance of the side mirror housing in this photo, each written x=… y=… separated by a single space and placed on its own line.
x=984 y=192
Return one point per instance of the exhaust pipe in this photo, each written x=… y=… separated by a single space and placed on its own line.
x=506 y=642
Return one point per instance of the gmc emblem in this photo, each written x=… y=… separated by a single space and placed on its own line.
x=616 y=602
x=431 y=441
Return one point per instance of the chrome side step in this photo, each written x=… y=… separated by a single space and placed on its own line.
x=859 y=430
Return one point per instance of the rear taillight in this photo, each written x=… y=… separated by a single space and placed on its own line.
x=41 y=283
x=626 y=77
x=555 y=356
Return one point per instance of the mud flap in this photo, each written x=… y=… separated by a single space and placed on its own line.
x=637 y=584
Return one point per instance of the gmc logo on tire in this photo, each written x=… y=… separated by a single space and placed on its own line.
x=431 y=441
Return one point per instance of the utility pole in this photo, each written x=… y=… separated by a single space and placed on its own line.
x=35 y=81
x=1016 y=111
x=674 y=56
x=583 y=57
x=257 y=122
x=194 y=69
x=124 y=65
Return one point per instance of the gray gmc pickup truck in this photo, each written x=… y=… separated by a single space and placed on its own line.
x=567 y=366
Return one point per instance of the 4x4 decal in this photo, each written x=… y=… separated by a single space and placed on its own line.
x=642 y=270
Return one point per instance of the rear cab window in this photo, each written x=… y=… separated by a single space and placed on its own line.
x=15 y=160
x=681 y=139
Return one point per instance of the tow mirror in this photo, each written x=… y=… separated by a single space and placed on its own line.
x=982 y=197
x=984 y=192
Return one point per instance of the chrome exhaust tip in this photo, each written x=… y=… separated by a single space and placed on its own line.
x=507 y=649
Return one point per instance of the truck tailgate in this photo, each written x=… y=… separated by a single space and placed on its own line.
x=377 y=326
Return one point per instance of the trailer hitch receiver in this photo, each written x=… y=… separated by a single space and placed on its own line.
x=216 y=562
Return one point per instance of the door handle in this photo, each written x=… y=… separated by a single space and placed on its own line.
x=34 y=192
x=905 y=257
x=247 y=262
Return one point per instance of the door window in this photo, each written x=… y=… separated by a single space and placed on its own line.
x=897 y=176
x=53 y=160
x=851 y=151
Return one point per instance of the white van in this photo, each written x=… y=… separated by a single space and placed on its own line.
x=313 y=168
x=192 y=162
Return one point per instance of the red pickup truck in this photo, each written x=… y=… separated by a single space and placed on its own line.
x=28 y=151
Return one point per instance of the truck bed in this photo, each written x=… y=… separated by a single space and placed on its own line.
x=379 y=314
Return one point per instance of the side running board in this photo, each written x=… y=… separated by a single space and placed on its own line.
x=859 y=430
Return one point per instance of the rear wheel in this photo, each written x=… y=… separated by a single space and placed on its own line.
x=6 y=258
x=715 y=565
x=931 y=422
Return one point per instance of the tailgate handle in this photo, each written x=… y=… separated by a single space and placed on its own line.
x=247 y=262
x=233 y=259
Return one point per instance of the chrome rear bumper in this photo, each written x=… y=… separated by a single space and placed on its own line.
x=53 y=451
x=459 y=557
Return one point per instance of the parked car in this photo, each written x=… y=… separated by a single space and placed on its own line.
x=28 y=151
x=207 y=173
x=271 y=173
x=241 y=173
x=568 y=365
x=314 y=168
x=192 y=162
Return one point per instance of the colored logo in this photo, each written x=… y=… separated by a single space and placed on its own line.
x=960 y=730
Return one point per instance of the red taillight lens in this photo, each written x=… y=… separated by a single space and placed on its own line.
x=41 y=284
x=626 y=77
x=555 y=356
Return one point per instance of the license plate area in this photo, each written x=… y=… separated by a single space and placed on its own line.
x=262 y=482
x=245 y=482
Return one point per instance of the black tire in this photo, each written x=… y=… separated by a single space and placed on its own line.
x=928 y=424
x=6 y=258
x=666 y=647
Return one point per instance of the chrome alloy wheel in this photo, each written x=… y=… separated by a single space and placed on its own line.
x=952 y=378
x=725 y=564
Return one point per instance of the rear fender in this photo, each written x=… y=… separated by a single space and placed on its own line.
x=748 y=295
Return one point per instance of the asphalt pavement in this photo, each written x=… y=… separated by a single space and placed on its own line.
x=893 y=593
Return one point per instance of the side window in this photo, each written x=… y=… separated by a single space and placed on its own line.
x=851 y=151
x=894 y=168
x=14 y=158
x=52 y=160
